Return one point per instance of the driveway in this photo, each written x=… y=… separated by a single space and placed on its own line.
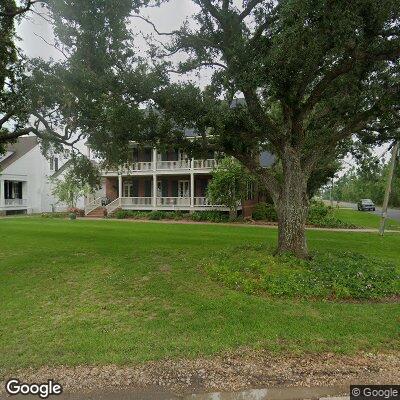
x=393 y=213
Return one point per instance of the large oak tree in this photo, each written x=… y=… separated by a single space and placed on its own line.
x=313 y=73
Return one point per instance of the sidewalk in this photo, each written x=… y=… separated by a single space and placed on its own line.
x=235 y=224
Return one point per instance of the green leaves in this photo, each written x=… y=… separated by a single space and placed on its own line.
x=230 y=184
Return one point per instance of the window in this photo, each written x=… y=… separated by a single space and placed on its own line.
x=54 y=164
x=183 y=189
x=128 y=189
x=12 y=190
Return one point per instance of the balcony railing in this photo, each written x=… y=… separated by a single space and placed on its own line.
x=173 y=201
x=144 y=166
x=205 y=164
x=172 y=165
x=141 y=166
x=16 y=202
x=136 y=201
x=203 y=202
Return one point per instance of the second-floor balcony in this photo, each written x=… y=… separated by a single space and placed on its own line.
x=168 y=165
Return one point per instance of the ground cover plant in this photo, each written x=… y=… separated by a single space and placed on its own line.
x=334 y=275
x=106 y=292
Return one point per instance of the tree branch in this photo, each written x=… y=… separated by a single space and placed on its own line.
x=20 y=10
x=154 y=27
x=249 y=8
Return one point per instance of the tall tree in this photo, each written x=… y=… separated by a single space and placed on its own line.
x=313 y=74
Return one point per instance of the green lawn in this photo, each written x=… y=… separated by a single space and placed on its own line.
x=101 y=292
x=364 y=219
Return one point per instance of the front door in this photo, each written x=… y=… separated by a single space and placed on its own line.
x=128 y=189
x=183 y=189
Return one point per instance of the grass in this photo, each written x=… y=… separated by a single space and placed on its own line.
x=102 y=292
x=364 y=219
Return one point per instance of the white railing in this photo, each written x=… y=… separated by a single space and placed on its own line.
x=203 y=202
x=141 y=166
x=136 y=201
x=205 y=164
x=111 y=207
x=94 y=204
x=172 y=165
x=15 y=202
x=173 y=201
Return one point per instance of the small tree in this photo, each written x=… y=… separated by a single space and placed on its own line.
x=70 y=188
x=229 y=185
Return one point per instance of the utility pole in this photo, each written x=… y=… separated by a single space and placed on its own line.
x=395 y=150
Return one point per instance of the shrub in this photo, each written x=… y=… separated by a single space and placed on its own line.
x=210 y=216
x=121 y=214
x=156 y=215
x=265 y=211
x=344 y=275
x=72 y=216
x=77 y=211
x=318 y=210
x=321 y=215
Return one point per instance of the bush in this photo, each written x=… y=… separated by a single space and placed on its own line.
x=156 y=215
x=318 y=210
x=344 y=275
x=72 y=216
x=210 y=216
x=121 y=214
x=321 y=215
x=265 y=211
x=77 y=211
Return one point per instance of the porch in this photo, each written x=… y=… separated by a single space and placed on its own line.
x=178 y=192
x=13 y=194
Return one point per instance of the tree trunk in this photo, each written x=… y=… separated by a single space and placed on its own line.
x=292 y=207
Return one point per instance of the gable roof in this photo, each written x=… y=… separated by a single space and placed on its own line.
x=16 y=150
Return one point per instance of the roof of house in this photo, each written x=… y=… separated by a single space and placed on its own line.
x=16 y=150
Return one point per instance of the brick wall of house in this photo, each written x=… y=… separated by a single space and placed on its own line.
x=111 y=188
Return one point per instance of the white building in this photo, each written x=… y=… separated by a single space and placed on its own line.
x=24 y=179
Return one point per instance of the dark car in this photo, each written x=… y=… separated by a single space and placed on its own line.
x=366 y=205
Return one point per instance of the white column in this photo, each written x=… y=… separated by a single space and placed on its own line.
x=154 y=158
x=192 y=189
x=119 y=185
x=154 y=190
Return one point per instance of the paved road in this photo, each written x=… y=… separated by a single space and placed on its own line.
x=393 y=213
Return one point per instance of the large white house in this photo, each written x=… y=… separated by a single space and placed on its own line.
x=24 y=179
